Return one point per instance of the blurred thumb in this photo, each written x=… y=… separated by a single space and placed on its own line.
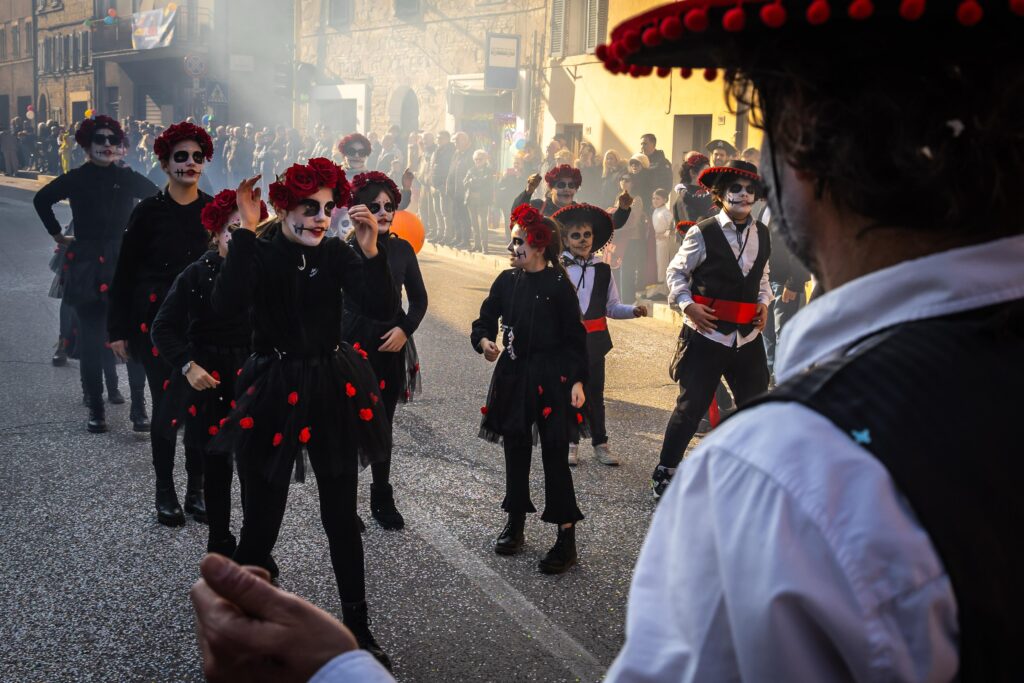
x=248 y=591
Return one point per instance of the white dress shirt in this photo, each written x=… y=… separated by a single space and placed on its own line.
x=585 y=287
x=693 y=252
x=782 y=551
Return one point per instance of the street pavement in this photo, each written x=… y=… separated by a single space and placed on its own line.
x=93 y=589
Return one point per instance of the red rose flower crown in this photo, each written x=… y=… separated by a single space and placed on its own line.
x=215 y=214
x=538 y=232
x=301 y=181
x=179 y=132
x=376 y=178
x=564 y=171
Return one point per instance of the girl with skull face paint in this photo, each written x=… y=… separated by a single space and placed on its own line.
x=537 y=387
x=164 y=235
x=102 y=195
x=303 y=388
x=388 y=342
x=189 y=333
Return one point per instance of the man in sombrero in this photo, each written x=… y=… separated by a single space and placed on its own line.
x=852 y=525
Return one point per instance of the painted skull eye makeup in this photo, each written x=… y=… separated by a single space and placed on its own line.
x=311 y=207
x=565 y=185
x=581 y=235
x=517 y=242
x=737 y=188
x=100 y=139
x=181 y=156
x=375 y=207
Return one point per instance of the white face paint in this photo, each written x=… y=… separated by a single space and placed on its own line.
x=580 y=237
x=355 y=156
x=384 y=217
x=104 y=152
x=307 y=222
x=520 y=251
x=739 y=198
x=185 y=164
x=224 y=236
x=565 y=191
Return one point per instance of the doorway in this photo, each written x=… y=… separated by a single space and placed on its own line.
x=690 y=131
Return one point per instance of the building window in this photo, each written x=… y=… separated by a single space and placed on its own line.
x=76 y=58
x=3 y=43
x=339 y=14
x=29 y=41
x=15 y=41
x=87 y=48
x=578 y=26
x=408 y=9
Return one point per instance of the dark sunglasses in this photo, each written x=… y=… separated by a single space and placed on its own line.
x=563 y=185
x=356 y=152
x=181 y=156
x=100 y=139
x=311 y=207
x=753 y=189
x=580 y=235
x=375 y=207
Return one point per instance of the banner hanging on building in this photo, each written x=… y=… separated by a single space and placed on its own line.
x=154 y=28
x=502 y=69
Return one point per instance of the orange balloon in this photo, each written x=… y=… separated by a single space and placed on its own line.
x=409 y=227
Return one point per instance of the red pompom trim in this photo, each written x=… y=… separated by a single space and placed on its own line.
x=365 y=414
x=238 y=373
x=102 y=260
x=233 y=404
x=70 y=256
x=293 y=398
x=818 y=12
x=773 y=15
x=350 y=390
x=601 y=52
x=251 y=390
x=305 y=435
x=686 y=72
x=1017 y=7
x=912 y=10
x=652 y=37
x=631 y=40
x=663 y=71
x=180 y=132
x=246 y=422
x=734 y=20
x=696 y=20
x=710 y=74
x=859 y=10
x=671 y=28
x=969 y=12
x=278 y=438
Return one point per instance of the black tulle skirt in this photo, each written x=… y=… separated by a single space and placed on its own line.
x=397 y=372
x=201 y=412
x=531 y=396
x=284 y=404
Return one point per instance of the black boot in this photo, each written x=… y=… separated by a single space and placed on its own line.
x=97 y=423
x=510 y=541
x=562 y=555
x=114 y=397
x=382 y=506
x=223 y=546
x=60 y=356
x=168 y=510
x=137 y=414
x=195 y=505
x=355 y=617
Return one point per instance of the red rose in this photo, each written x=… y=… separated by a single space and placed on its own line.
x=382 y=385
x=233 y=404
x=192 y=410
x=144 y=327
x=350 y=390
x=104 y=287
x=301 y=180
x=540 y=390
x=483 y=410
x=215 y=375
x=326 y=170
x=70 y=256
x=365 y=414
x=546 y=412
x=152 y=298
x=293 y=398
x=579 y=418
x=246 y=422
x=212 y=431
x=155 y=352
x=278 y=438
x=239 y=373
x=222 y=421
x=102 y=260
x=416 y=368
x=373 y=399
x=174 y=423
x=281 y=197
x=167 y=383
x=304 y=435
x=251 y=390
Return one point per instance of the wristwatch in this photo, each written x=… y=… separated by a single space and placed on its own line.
x=186 y=367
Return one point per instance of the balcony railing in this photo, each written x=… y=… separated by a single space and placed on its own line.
x=192 y=26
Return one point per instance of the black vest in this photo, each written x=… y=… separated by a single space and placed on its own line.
x=720 y=277
x=599 y=343
x=939 y=403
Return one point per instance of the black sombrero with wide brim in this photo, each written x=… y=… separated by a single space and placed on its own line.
x=712 y=34
x=735 y=167
x=597 y=217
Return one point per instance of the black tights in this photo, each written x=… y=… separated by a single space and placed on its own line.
x=559 y=495
x=158 y=372
x=382 y=470
x=264 y=505
x=217 y=493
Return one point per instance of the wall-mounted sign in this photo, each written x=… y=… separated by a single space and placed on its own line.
x=501 y=70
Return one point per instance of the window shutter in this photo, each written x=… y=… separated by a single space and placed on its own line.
x=557 y=28
x=597 y=23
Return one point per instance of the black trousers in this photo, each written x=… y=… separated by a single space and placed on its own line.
x=157 y=373
x=92 y=339
x=217 y=471
x=382 y=470
x=559 y=495
x=703 y=364
x=595 y=402
x=263 y=510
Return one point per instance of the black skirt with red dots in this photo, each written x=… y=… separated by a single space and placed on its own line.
x=285 y=403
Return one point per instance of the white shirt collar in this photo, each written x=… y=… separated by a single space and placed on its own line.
x=594 y=258
x=940 y=284
x=723 y=220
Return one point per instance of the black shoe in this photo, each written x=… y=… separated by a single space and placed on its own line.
x=272 y=567
x=97 y=423
x=511 y=539
x=138 y=416
x=660 y=480
x=382 y=506
x=354 y=616
x=114 y=397
x=60 y=356
x=562 y=554
x=194 y=503
x=168 y=510
x=223 y=546
x=361 y=523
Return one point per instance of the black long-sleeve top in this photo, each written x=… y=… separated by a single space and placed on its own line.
x=295 y=292
x=186 y=318
x=101 y=199
x=162 y=238
x=405 y=272
x=543 y=313
x=548 y=208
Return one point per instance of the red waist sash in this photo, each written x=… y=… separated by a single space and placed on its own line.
x=738 y=312
x=596 y=325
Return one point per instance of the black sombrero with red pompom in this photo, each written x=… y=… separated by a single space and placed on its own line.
x=595 y=216
x=735 y=167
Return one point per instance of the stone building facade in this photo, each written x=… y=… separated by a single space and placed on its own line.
x=64 y=64
x=17 y=79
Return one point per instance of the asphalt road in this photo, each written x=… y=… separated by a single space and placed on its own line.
x=93 y=589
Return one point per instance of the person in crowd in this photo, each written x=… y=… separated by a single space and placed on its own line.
x=440 y=164
x=632 y=248
x=356 y=149
x=658 y=169
x=188 y=333
x=388 y=342
x=562 y=183
x=590 y=170
x=479 y=184
x=612 y=169
x=586 y=229
x=719 y=152
x=64 y=150
x=164 y=235
x=456 y=213
x=240 y=163
x=9 y=149
x=425 y=207
x=664 y=234
x=303 y=388
x=752 y=155
x=507 y=188
x=537 y=383
x=389 y=153
x=101 y=195
x=725 y=308
x=563 y=157
x=693 y=201
x=324 y=146
x=789 y=278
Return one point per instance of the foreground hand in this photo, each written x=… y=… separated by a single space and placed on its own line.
x=639 y=311
x=490 y=349
x=120 y=349
x=394 y=340
x=200 y=379
x=761 y=318
x=533 y=182
x=703 y=317
x=365 y=225
x=625 y=200
x=787 y=295
x=578 y=398
x=249 y=630
x=247 y=197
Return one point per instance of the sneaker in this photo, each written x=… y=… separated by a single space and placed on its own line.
x=660 y=481
x=604 y=455
x=574 y=458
